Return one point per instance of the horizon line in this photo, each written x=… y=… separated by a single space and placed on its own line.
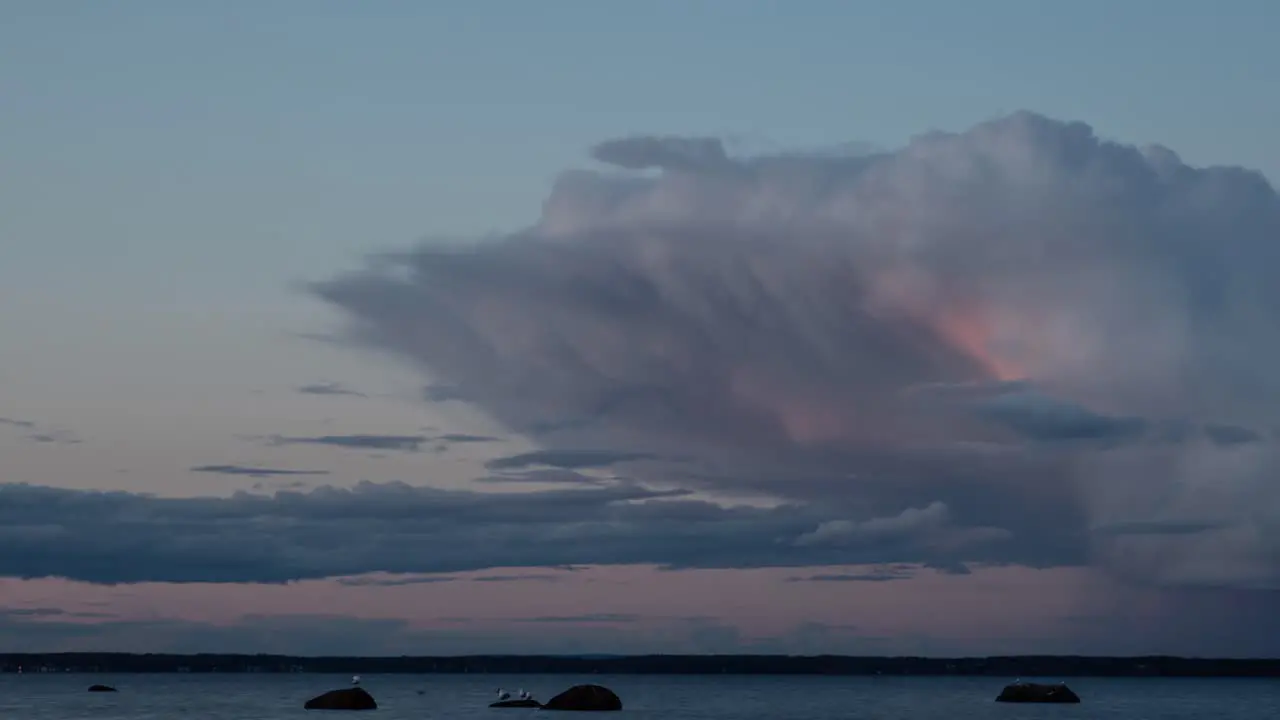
x=637 y=656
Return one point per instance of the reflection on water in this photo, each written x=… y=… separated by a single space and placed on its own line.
x=460 y=697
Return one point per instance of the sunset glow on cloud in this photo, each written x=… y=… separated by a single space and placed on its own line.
x=1006 y=323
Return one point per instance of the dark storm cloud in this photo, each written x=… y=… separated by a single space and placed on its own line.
x=1231 y=434
x=118 y=537
x=1039 y=417
x=256 y=472
x=406 y=443
x=25 y=424
x=1157 y=528
x=773 y=317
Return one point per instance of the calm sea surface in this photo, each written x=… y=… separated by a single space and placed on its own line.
x=459 y=697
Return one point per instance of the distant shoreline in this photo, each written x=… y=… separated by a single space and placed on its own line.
x=1056 y=666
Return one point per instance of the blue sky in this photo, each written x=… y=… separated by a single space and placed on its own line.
x=311 y=131
x=172 y=172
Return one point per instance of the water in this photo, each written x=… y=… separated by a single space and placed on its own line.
x=645 y=697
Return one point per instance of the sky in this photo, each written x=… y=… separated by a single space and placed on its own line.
x=810 y=327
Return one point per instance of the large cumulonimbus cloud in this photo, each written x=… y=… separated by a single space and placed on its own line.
x=1067 y=338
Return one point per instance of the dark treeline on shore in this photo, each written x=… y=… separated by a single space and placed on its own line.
x=1011 y=666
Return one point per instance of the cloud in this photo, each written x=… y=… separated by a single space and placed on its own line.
x=56 y=437
x=1231 y=434
x=908 y=522
x=256 y=472
x=30 y=612
x=543 y=476
x=50 y=435
x=881 y=574
x=442 y=393
x=949 y=567
x=853 y=577
x=328 y=388
x=585 y=618
x=47 y=612
x=1156 y=528
x=119 y=537
x=443 y=442
x=465 y=438
x=395 y=581
x=667 y=153
x=773 y=318
x=1040 y=417
x=567 y=459
x=401 y=443
x=929 y=526
x=406 y=443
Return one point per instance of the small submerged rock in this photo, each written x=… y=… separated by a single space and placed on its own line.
x=1024 y=692
x=352 y=698
x=102 y=688
x=585 y=698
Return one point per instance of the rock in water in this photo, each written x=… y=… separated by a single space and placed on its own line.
x=585 y=698
x=1037 y=693
x=529 y=703
x=101 y=688
x=345 y=699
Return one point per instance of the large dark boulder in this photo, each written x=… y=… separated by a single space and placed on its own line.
x=345 y=699
x=1037 y=693
x=526 y=703
x=585 y=698
x=101 y=688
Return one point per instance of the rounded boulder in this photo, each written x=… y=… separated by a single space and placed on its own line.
x=1037 y=693
x=345 y=699
x=585 y=698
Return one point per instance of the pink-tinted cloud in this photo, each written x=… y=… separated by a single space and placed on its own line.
x=1104 y=306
